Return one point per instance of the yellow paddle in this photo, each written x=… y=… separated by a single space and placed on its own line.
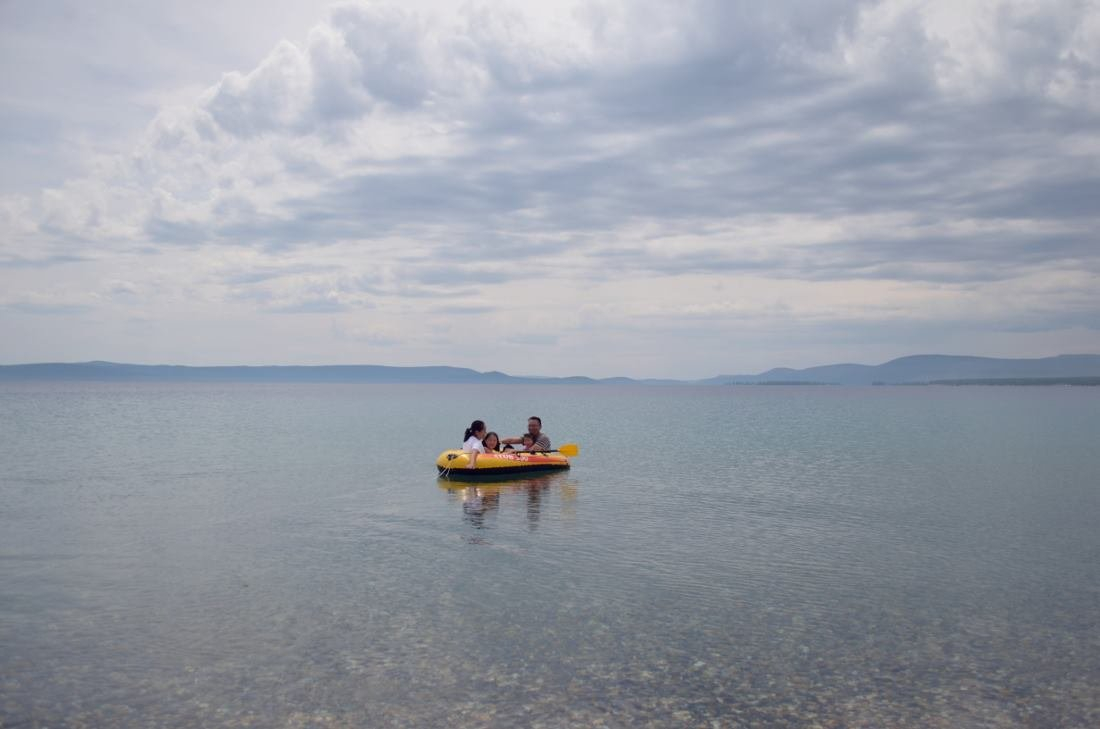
x=569 y=449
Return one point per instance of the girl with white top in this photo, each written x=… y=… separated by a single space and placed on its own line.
x=473 y=445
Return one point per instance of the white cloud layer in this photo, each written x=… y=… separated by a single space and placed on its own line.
x=641 y=188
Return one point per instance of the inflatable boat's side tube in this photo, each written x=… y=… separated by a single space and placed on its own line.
x=511 y=462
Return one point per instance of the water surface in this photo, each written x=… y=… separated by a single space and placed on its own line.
x=284 y=555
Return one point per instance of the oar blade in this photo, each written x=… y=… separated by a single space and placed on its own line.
x=569 y=449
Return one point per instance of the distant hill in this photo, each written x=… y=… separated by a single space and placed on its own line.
x=924 y=368
x=119 y=372
x=116 y=372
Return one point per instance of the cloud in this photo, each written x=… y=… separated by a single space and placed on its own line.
x=44 y=306
x=465 y=310
x=758 y=110
x=933 y=153
x=371 y=333
x=532 y=339
x=899 y=252
x=42 y=262
x=322 y=305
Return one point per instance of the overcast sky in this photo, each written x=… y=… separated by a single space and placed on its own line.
x=609 y=187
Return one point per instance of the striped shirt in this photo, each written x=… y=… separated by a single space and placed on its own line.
x=542 y=443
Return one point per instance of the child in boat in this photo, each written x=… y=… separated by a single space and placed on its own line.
x=472 y=444
x=528 y=442
x=491 y=442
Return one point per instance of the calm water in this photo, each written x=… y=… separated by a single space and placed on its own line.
x=742 y=556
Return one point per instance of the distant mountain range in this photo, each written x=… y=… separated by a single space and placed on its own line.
x=928 y=368
x=117 y=372
x=917 y=369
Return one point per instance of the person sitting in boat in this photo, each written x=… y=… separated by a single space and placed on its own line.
x=534 y=427
x=472 y=444
x=491 y=441
x=528 y=442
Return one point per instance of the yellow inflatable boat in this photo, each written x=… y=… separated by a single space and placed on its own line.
x=453 y=463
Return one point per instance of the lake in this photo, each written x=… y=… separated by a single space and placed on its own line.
x=285 y=555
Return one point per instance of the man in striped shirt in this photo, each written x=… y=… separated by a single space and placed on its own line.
x=534 y=427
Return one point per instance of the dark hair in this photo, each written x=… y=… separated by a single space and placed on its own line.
x=536 y=417
x=487 y=438
x=474 y=427
x=525 y=436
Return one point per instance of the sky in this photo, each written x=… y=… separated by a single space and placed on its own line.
x=609 y=187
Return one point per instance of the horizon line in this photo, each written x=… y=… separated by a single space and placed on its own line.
x=499 y=372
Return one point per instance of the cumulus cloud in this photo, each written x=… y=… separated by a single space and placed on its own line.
x=937 y=157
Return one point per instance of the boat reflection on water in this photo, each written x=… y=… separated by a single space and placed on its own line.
x=481 y=501
x=477 y=503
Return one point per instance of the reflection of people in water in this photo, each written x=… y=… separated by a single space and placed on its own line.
x=477 y=503
x=534 y=502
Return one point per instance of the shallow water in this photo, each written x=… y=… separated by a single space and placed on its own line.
x=284 y=555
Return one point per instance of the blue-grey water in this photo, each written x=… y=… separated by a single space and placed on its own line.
x=284 y=556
